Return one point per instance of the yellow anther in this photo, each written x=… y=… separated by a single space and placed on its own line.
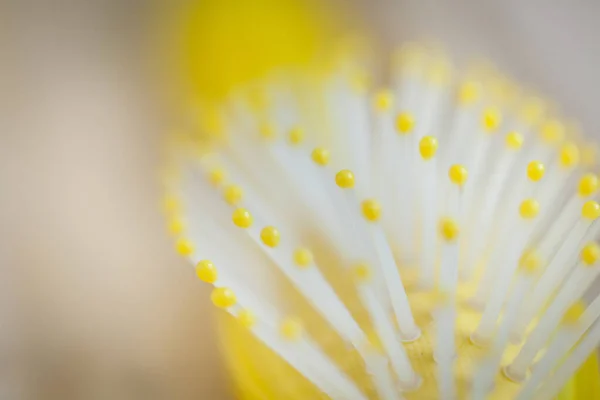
x=552 y=132
x=529 y=209
x=233 y=194
x=383 y=100
x=514 y=140
x=530 y=261
x=184 y=247
x=206 y=271
x=216 y=176
x=242 y=218
x=428 y=147
x=535 y=171
x=246 y=318
x=267 y=131
x=569 y=155
x=491 y=119
x=532 y=110
x=371 y=210
x=345 y=179
x=362 y=273
x=588 y=185
x=469 y=93
x=590 y=210
x=574 y=313
x=449 y=229
x=405 y=123
x=176 y=226
x=171 y=204
x=270 y=236
x=320 y=156
x=223 y=297
x=590 y=253
x=303 y=258
x=291 y=328
x=296 y=136
x=458 y=174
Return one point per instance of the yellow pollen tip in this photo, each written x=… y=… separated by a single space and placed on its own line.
x=458 y=174
x=223 y=297
x=428 y=147
x=371 y=210
x=529 y=209
x=171 y=204
x=469 y=93
x=296 y=136
x=267 y=131
x=552 y=132
x=233 y=194
x=491 y=119
x=514 y=140
x=449 y=229
x=362 y=273
x=216 y=176
x=320 y=156
x=569 y=155
x=242 y=218
x=345 y=179
x=405 y=123
x=270 y=236
x=574 y=313
x=303 y=258
x=291 y=328
x=535 y=171
x=176 y=226
x=184 y=247
x=590 y=253
x=590 y=210
x=383 y=100
x=246 y=318
x=530 y=261
x=588 y=185
x=206 y=271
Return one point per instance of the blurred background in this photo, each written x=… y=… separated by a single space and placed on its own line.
x=94 y=304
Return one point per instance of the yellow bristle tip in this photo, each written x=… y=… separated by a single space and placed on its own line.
x=590 y=210
x=184 y=247
x=574 y=313
x=552 y=132
x=529 y=209
x=530 y=261
x=371 y=210
x=469 y=93
x=458 y=174
x=588 y=185
x=535 y=170
x=291 y=328
x=176 y=226
x=296 y=136
x=320 y=156
x=514 y=140
x=405 y=123
x=449 y=229
x=171 y=204
x=233 y=194
x=303 y=258
x=267 y=131
x=569 y=155
x=345 y=179
x=242 y=218
x=361 y=272
x=223 y=297
x=270 y=236
x=590 y=253
x=206 y=271
x=491 y=119
x=383 y=100
x=216 y=176
x=428 y=147
x=246 y=318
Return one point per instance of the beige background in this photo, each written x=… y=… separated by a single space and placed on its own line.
x=93 y=302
